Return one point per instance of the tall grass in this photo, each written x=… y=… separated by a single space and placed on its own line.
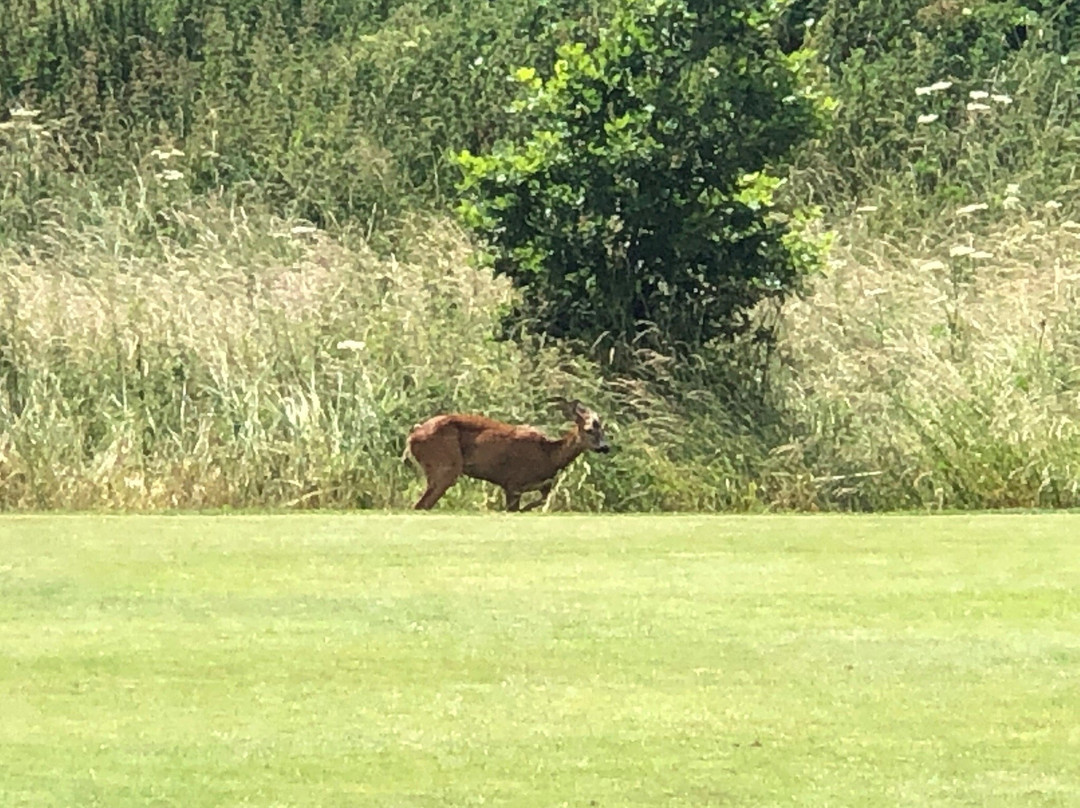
x=944 y=374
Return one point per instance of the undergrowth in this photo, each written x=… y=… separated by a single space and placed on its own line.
x=164 y=350
x=174 y=334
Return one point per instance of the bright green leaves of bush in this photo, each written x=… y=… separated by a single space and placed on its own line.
x=626 y=214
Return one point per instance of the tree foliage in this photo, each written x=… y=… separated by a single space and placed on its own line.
x=639 y=204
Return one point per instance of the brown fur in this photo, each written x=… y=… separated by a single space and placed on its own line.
x=516 y=458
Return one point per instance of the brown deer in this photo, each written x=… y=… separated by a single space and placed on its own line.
x=516 y=458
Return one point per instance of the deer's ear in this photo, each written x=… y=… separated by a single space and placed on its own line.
x=581 y=412
x=566 y=407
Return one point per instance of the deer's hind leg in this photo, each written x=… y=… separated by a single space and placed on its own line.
x=440 y=458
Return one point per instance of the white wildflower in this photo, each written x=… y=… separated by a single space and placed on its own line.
x=978 y=95
x=1010 y=202
x=23 y=112
x=975 y=106
x=170 y=175
x=1001 y=98
x=351 y=345
x=1053 y=204
x=936 y=87
x=960 y=251
x=866 y=208
x=981 y=254
x=927 y=118
x=1070 y=225
x=1012 y=189
x=303 y=229
x=972 y=208
x=166 y=155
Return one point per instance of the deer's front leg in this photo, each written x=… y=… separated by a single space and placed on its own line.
x=545 y=492
x=513 y=500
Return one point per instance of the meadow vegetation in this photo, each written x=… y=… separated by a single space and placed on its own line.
x=231 y=274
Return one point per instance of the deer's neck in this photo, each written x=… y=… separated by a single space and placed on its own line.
x=567 y=448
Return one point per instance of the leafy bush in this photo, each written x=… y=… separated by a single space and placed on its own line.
x=637 y=206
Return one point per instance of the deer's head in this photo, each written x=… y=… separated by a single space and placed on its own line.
x=588 y=424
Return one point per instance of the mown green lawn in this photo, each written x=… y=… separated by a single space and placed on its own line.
x=450 y=660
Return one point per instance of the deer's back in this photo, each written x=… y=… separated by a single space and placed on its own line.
x=490 y=450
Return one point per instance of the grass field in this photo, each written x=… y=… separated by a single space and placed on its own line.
x=445 y=660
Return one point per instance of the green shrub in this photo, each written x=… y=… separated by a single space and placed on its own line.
x=636 y=210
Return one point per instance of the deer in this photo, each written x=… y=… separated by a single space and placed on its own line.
x=518 y=459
